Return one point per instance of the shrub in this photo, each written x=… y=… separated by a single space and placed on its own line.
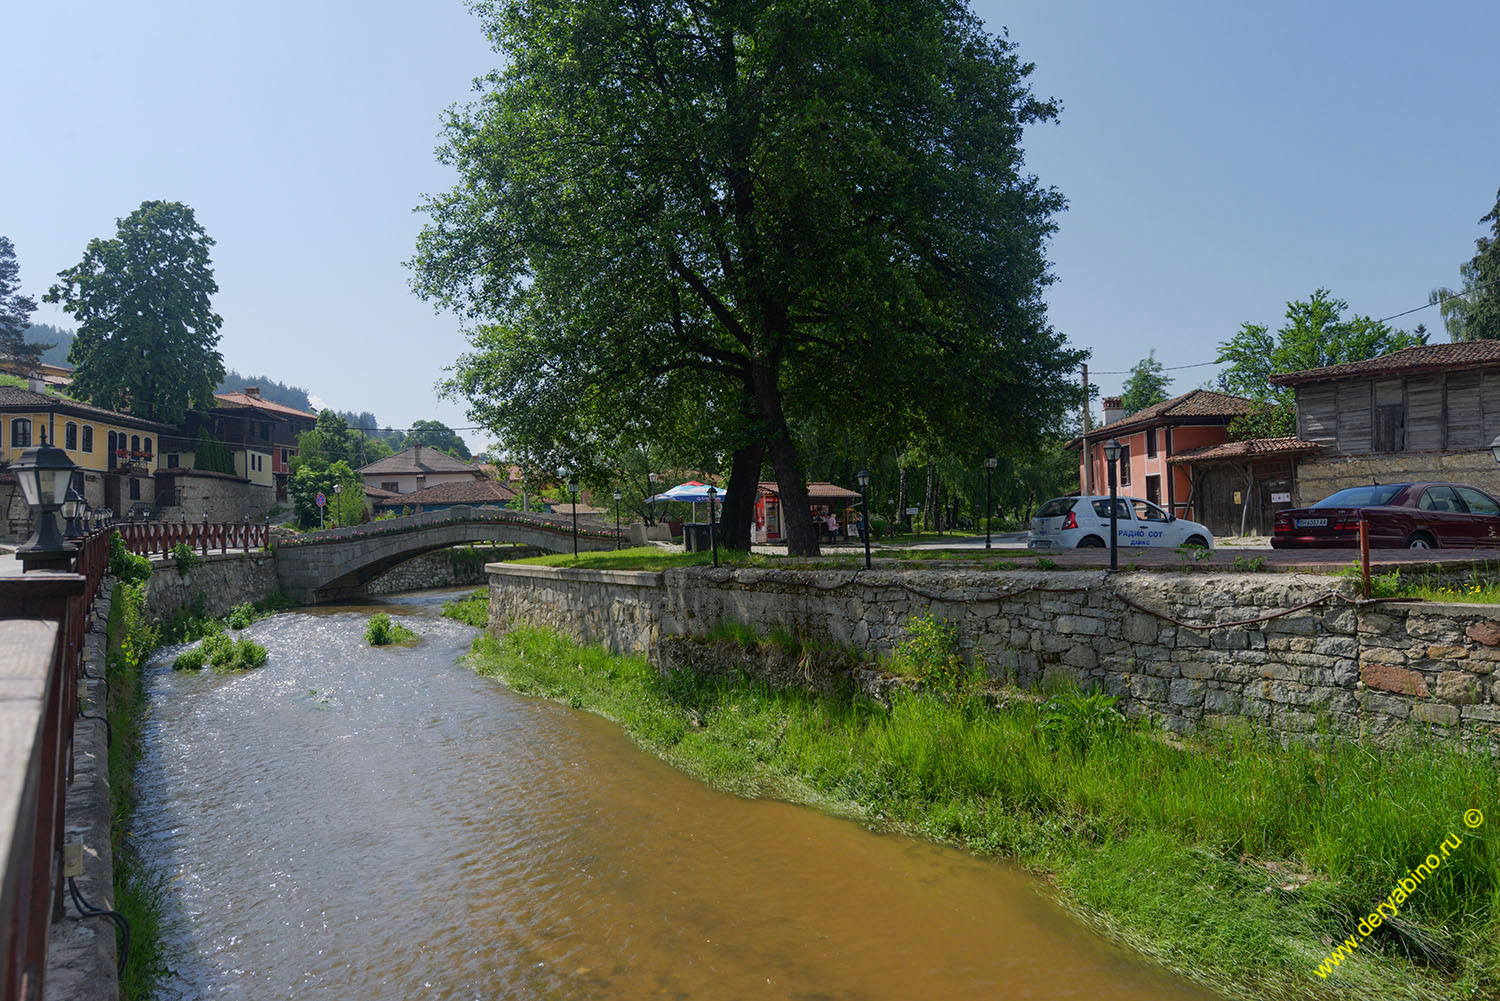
x=222 y=652
x=382 y=631
x=241 y=615
x=930 y=654
x=1078 y=721
x=184 y=557
x=128 y=567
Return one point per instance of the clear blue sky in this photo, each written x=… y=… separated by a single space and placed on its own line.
x=1218 y=162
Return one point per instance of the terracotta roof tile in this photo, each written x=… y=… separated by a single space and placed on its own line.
x=1250 y=447
x=471 y=492
x=1422 y=358
x=1193 y=404
x=16 y=398
x=815 y=491
x=244 y=400
x=420 y=459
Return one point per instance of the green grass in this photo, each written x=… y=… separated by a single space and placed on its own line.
x=1230 y=859
x=472 y=609
x=656 y=558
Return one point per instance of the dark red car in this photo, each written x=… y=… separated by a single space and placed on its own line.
x=1401 y=515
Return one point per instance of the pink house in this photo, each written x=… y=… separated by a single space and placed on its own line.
x=1148 y=438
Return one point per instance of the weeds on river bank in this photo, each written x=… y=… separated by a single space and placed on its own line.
x=471 y=610
x=223 y=653
x=1230 y=858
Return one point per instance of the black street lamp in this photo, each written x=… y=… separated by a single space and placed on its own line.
x=617 y=519
x=1111 y=455
x=573 y=493
x=989 y=474
x=713 y=535
x=74 y=507
x=45 y=472
x=864 y=510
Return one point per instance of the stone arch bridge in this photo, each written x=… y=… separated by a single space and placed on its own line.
x=339 y=563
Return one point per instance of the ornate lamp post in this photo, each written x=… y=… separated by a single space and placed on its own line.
x=1112 y=455
x=713 y=534
x=864 y=509
x=617 y=519
x=989 y=474
x=74 y=508
x=338 y=488
x=45 y=473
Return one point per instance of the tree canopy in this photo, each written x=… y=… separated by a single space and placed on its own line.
x=714 y=219
x=437 y=434
x=1472 y=313
x=146 y=331
x=15 y=311
x=1314 y=335
x=1147 y=384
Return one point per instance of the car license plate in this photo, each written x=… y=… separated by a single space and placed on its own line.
x=1312 y=522
x=1041 y=543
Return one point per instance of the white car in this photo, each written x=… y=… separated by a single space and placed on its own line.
x=1083 y=523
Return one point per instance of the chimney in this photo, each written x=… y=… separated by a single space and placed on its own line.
x=1114 y=409
x=253 y=392
x=36 y=385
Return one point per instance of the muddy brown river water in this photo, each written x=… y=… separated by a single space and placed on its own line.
x=367 y=824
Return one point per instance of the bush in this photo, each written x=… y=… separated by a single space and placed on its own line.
x=223 y=653
x=1078 y=721
x=128 y=567
x=382 y=631
x=241 y=615
x=184 y=557
x=472 y=610
x=930 y=654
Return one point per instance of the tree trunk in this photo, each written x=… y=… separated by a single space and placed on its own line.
x=739 y=496
x=929 y=501
x=900 y=495
x=796 y=511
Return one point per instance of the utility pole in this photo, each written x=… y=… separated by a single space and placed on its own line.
x=1088 y=425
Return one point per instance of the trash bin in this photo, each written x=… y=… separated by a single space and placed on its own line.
x=696 y=538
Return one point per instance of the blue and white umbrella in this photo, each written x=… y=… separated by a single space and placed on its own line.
x=692 y=492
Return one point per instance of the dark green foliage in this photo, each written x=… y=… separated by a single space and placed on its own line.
x=184 y=558
x=819 y=210
x=1081 y=722
x=15 y=311
x=384 y=631
x=146 y=331
x=1147 y=384
x=240 y=616
x=60 y=341
x=212 y=455
x=439 y=436
x=223 y=653
x=127 y=566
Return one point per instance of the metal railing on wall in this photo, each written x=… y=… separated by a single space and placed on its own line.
x=43 y=621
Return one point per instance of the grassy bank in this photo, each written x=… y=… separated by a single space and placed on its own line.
x=1232 y=860
x=139 y=895
x=657 y=558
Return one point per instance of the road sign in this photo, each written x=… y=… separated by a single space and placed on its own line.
x=1282 y=498
x=321 y=500
x=913 y=510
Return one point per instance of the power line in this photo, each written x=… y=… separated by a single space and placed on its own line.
x=1394 y=316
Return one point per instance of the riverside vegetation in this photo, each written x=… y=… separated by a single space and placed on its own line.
x=1228 y=857
x=385 y=631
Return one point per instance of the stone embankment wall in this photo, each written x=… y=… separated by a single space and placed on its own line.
x=1188 y=649
x=459 y=567
x=223 y=579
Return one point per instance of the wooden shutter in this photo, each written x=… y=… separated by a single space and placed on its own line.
x=1465 y=429
x=1318 y=415
x=1424 y=413
x=1354 y=417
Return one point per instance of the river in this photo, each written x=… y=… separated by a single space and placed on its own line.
x=368 y=824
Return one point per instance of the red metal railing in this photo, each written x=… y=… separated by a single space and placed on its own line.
x=45 y=618
x=156 y=538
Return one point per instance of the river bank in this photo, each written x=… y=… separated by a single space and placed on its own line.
x=1229 y=859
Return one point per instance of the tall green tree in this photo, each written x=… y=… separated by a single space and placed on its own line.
x=146 y=330
x=734 y=214
x=1314 y=334
x=437 y=434
x=15 y=311
x=1473 y=312
x=1147 y=384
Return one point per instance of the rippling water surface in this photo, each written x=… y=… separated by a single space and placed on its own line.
x=365 y=824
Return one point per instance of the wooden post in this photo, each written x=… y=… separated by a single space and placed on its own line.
x=1364 y=551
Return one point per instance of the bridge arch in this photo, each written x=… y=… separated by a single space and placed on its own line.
x=339 y=564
